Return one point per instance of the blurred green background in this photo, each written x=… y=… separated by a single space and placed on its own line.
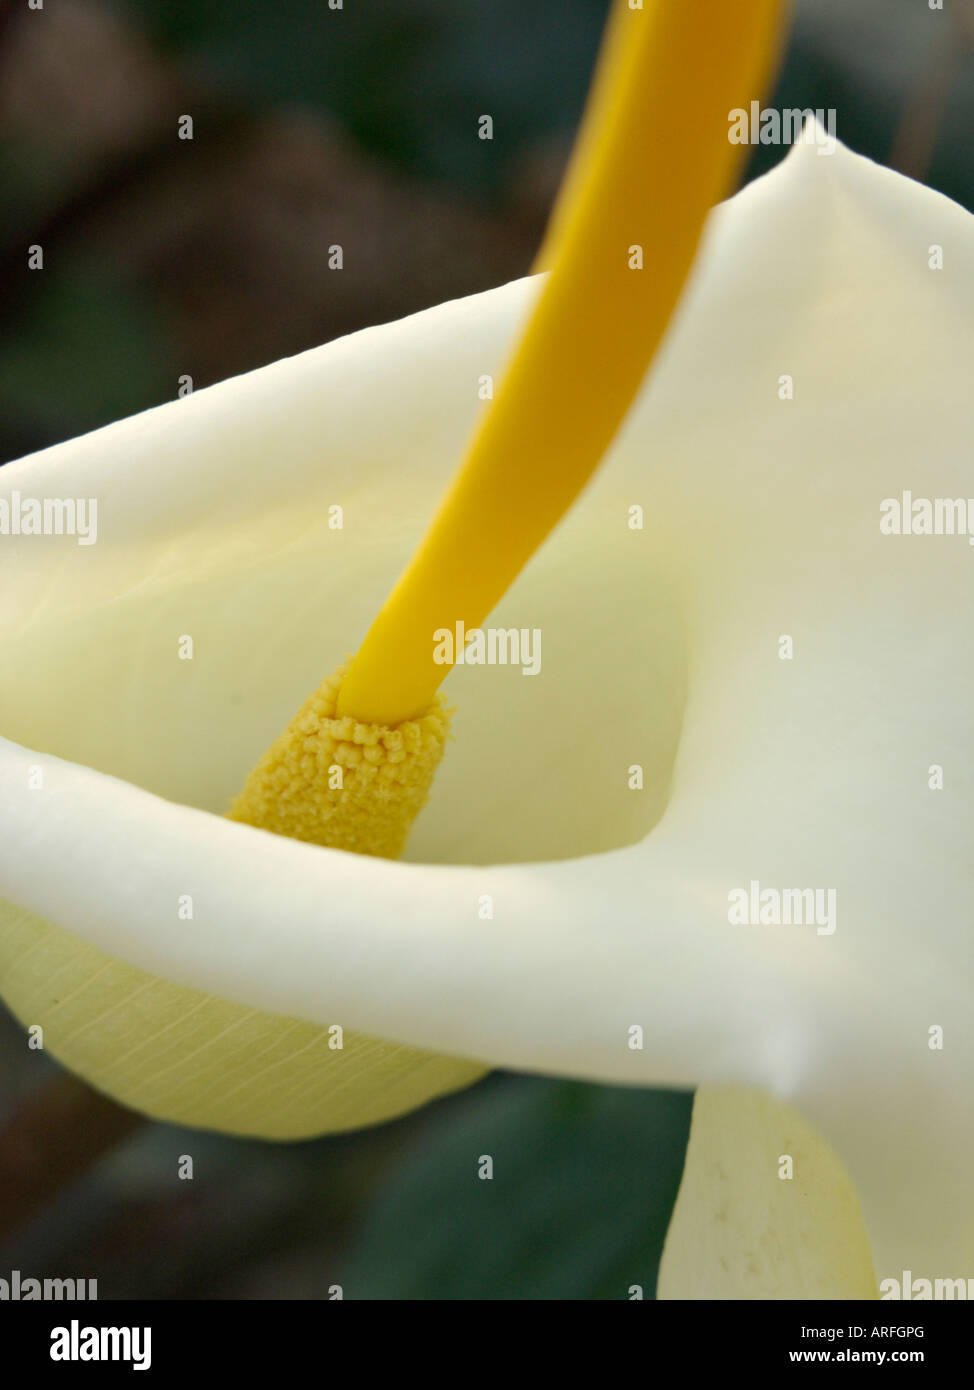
x=209 y=257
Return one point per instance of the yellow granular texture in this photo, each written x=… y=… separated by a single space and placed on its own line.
x=342 y=784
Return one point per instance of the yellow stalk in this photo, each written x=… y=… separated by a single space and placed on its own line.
x=653 y=157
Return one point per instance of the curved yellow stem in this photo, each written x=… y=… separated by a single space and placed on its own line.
x=652 y=159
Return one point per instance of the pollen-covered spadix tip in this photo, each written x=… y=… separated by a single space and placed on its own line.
x=346 y=785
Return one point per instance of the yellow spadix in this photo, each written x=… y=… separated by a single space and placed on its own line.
x=652 y=159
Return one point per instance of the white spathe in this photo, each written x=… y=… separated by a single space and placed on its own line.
x=761 y=520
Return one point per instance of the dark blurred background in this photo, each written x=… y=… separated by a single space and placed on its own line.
x=168 y=257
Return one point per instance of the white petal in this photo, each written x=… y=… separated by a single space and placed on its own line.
x=764 y=1211
x=763 y=520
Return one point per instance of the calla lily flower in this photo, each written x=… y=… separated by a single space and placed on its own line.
x=551 y=901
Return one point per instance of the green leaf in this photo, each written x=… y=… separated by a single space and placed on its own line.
x=584 y=1182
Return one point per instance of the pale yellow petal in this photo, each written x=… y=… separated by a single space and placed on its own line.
x=742 y=1230
x=199 y=1060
